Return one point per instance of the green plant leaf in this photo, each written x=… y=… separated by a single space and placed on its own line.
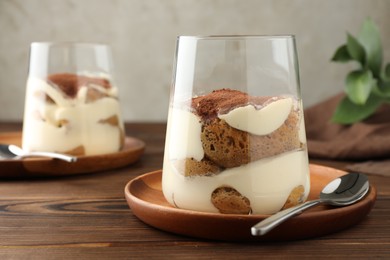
x=369 y=37
x=355 y=49
x=368 y=87
x=359 y=84
x=382 y=89
x=348 y=113
x=387 y=71
x=342 y=54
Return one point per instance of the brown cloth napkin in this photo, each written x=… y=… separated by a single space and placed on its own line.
x=368 y=140
x=371 y=167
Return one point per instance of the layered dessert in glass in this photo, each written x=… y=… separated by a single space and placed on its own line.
x=233 y=153
x=77 y=114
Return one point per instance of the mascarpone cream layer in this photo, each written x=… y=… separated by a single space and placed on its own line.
x=70 y=123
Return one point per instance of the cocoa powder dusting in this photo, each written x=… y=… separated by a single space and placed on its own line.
x=70 y=83
x=221 y=101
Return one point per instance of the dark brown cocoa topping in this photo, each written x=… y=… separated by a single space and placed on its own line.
x=70 y=83
x=222 y=101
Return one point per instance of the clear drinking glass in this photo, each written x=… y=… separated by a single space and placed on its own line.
x=235 y=140
x=71 y=103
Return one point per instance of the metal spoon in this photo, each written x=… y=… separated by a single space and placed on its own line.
x=10 y=151
x=342 y=191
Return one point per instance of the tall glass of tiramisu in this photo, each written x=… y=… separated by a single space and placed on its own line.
x=235 y=141
x=72 y=101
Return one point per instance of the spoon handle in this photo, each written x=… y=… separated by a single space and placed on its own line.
x=271 y=222
x=60 y=156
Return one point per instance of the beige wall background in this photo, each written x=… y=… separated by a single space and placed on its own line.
x=142 y=34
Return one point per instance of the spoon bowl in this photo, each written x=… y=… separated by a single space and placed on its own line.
x=10 y=151
x=342 y=191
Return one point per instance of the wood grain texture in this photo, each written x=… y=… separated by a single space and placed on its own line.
x=48 y=167
x=146 y=200
x=87 y=217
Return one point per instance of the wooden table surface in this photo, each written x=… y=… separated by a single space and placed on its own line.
x=87 y=217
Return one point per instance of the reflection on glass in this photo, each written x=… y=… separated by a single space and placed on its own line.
x=235 y=140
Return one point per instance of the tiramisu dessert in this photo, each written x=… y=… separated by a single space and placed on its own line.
x=73 y=114
x=233 y=153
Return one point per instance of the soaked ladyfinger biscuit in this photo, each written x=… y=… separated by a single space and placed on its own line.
x=229 y=201
x=230 y=147
x=94 y=95
x=114 y=121
x=191 y=167
x=78 y=151
x=295 y=197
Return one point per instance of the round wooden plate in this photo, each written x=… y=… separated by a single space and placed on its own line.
x=145 y=198
x=44 y=167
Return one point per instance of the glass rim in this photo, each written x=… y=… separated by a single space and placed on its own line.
x=237 y=37
x=69 y=44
